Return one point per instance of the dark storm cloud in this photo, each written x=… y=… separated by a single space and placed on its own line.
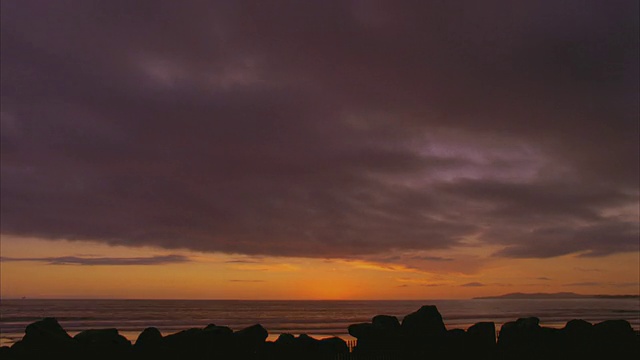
x=92 y=261
x=323 y=129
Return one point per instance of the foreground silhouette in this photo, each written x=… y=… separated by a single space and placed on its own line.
x=421 y=335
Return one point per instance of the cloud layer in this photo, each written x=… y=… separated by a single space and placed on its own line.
x=92 y=261
x=323 y=129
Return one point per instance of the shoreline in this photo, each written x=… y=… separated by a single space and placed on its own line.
x=420 y=333
x=8 y=339
x=320 y=318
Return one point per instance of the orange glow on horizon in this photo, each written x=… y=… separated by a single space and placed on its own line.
x=223 y=276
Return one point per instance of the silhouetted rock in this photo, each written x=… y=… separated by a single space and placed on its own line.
x=307 y=344
x=303 y=347
x=614 y=328
x=45 y=338
x=481 y=338
x=284 y=348
x=577 y=337
x=211 y=341
x=578 y=326
x=361 y=330
x=106 y=338
x=249 y=341
x=253 y=335
x=218 y=331
x=483 y=334
x=519 y=338
x=149 y=344
x=525 y=339
x=608 y=340
x=149 y=337
x=46 y=331
x=456 y=334
x=6 y=353
x=386 y=322
x=515 y=330
x=104 y=344
x=454 y=345
x=427 y=321
x=421 y=335
x=615 y=339
x=528 y=323
x=285 y=339
x=333 y=346
x=374 y=339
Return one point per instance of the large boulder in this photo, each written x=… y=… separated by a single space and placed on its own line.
x=482 y=334
x=577 y=327
x=210 y=341
x=615 y=339
x=513 y=332
x=526 y=339
x=149 y=344
x=104 y=344
x=386 y=323
x=7 y=353
x=455 y=345
x=252 y=335
x=105 y=338
x=288 y=347
x=362 y=331
x=221 y=331
x=481 y=338
x=577 y=336
x=307 y=344
x=45 y=338
x=46 y=331
x=285 y=339
x=149 y=337
x=614 y=329
x=374 y=338
x=427 y=321
x=333 y=346
x=249 y=341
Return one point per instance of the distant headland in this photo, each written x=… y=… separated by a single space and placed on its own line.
x=558 y=295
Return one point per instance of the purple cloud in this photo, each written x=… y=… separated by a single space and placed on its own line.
x=95 y=261
x=329 y=129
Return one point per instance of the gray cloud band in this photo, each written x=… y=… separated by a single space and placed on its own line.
x=323 y=129
x=94 y=261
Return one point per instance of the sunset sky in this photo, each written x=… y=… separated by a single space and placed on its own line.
x=319 y=149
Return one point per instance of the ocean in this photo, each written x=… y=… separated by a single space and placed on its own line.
x=316 y=318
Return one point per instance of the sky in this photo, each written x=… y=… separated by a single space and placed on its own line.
x=319 y=149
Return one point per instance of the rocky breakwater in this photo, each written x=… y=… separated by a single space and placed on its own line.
x=423 y=335
x=46 y=339
x=420 y=335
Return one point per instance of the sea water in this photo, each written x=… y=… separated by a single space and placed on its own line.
x=315 y=318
